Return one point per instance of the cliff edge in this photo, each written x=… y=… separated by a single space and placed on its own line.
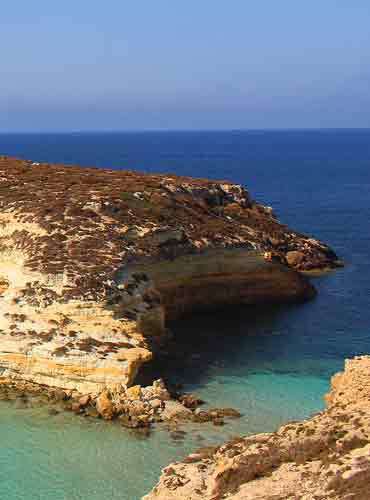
x=326 y=457
x=93 y=262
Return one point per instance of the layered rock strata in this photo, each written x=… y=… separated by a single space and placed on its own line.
x=326 y=457
x=93 y=262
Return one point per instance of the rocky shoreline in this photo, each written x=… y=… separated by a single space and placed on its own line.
x=326 y=457
x=95 y=262
x=134 y=408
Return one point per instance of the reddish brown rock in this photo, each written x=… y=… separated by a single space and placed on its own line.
x=93 y=262
x=190 y=401
x=294 y=258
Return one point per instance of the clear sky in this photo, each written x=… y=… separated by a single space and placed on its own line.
x=176 y=64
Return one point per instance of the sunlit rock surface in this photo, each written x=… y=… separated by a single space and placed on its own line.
x=93 y=262
x=326 y=457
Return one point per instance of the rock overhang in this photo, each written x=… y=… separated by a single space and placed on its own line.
x=92 y=261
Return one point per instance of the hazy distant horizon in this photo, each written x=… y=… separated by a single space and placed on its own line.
x=186 y=66
x=183 y=130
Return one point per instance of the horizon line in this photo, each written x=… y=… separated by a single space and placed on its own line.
x=183 y=130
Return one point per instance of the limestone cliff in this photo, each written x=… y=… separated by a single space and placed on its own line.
x=326 y=457
x=93 y=261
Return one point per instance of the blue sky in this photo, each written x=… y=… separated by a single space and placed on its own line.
x=195 y=64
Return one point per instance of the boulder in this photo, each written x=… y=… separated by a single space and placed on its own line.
x=227 y=412
x=155 y=403
x=105 y=407
x=59 y=395
x=137 y=408
x=175 y=411
x=294 y=258
x=133 y=392
x=84 y=400
x=156 y=391
x=190 y=401
x=76 y=407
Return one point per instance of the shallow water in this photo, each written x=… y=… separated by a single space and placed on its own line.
x=273 y=363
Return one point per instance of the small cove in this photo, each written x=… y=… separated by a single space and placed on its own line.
x=273 y=364
x=240 y=361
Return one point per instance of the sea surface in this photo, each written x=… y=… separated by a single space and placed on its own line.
x=273 y=363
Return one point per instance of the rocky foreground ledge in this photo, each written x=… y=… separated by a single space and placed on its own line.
x=93 y=262
x=324 y=458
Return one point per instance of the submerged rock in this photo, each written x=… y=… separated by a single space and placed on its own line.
x=175 y=411
x=190 y=401
x=215 y=415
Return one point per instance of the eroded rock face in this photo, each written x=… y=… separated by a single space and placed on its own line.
x=326 y=457
x=93 y=262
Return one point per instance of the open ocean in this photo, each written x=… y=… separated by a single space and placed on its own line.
x=273 y=363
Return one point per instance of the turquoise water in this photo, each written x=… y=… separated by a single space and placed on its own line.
x=64 y=457
x=272 y=363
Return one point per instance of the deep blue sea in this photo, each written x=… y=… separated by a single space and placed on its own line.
x=273 y=363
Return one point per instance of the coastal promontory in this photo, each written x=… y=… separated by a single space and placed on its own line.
x=93 y=263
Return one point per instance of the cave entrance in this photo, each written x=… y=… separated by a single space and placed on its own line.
x=205 y=343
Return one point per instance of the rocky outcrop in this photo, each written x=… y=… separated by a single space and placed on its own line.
x=93 y=262
x=326 y=457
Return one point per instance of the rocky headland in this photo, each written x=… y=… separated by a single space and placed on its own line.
x=93 y=262
x=324 y=458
